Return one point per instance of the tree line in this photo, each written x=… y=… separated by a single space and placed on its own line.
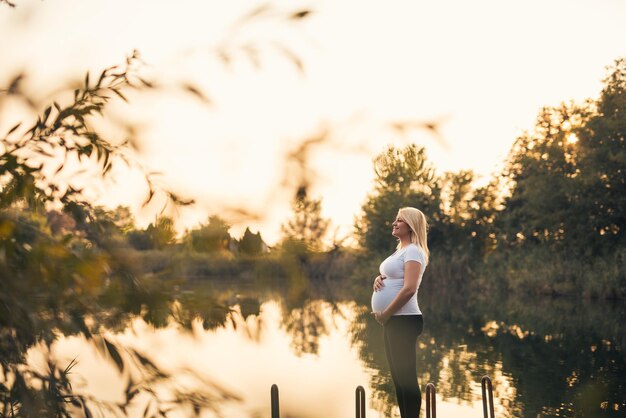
x=552 y=221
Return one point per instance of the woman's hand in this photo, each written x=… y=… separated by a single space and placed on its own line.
x=380 y=317
x=378 y=283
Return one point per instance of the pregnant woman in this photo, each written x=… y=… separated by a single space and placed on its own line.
x=394 y=304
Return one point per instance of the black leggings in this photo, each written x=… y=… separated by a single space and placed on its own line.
x=401 y=332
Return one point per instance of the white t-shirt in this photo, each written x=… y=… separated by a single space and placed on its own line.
x=393 y=269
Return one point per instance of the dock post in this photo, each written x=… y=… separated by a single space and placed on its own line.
x=431 y=401
x=487 y=393
x=275 y=405
x=360 y=402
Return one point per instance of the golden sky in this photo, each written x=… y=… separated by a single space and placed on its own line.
x=482 y=69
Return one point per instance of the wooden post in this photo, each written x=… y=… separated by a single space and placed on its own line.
x=431 y=401
x=487 y=394
x=275 y=405
x=360 y=402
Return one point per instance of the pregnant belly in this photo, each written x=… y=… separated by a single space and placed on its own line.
x=382 y=298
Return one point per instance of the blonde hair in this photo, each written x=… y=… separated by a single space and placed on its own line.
x=419 y=227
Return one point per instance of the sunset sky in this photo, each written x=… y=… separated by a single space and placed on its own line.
x=479 y=69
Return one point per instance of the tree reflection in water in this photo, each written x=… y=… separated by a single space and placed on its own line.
x=547 y=357
x=306 y=325
x=550 y=357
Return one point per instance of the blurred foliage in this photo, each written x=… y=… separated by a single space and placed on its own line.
x=157 y=236
x=65 y=267
x=68 y=267
x=211 y=237
x=307 y=229
x=251 y=244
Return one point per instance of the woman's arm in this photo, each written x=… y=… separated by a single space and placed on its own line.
x=412 y=271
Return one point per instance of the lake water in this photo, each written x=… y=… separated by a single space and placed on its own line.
x=546 y=357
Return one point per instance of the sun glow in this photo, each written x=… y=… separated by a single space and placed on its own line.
x=572 y=139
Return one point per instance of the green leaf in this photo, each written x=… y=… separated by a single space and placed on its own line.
x=260 y=10
x=87 y=412
x=120 y=95
x=144 y=360
x=145 y=412
x=301 y=14
x=14 y=128
x=146 y=83
x=114 y=353
x=46 y=114
x=107 y=168
x=291 y=56
x=149 y=197
x=196 y=92
x=104 y=73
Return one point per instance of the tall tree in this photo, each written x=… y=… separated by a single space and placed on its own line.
x=460 y=204
x=403 y=178
x=457 y=193
x=251 y=244
x=541 y=175
x=307 y=227
x=211 y=237
x=601 y=160
x=162 y=232
x=567 y=178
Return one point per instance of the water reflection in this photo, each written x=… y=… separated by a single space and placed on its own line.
x=546 y=355
x=547 y=358
x=245 y=357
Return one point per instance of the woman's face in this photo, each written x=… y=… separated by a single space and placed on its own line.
x=400 y=228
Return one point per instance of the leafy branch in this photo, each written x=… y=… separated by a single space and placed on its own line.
x=61 y=132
